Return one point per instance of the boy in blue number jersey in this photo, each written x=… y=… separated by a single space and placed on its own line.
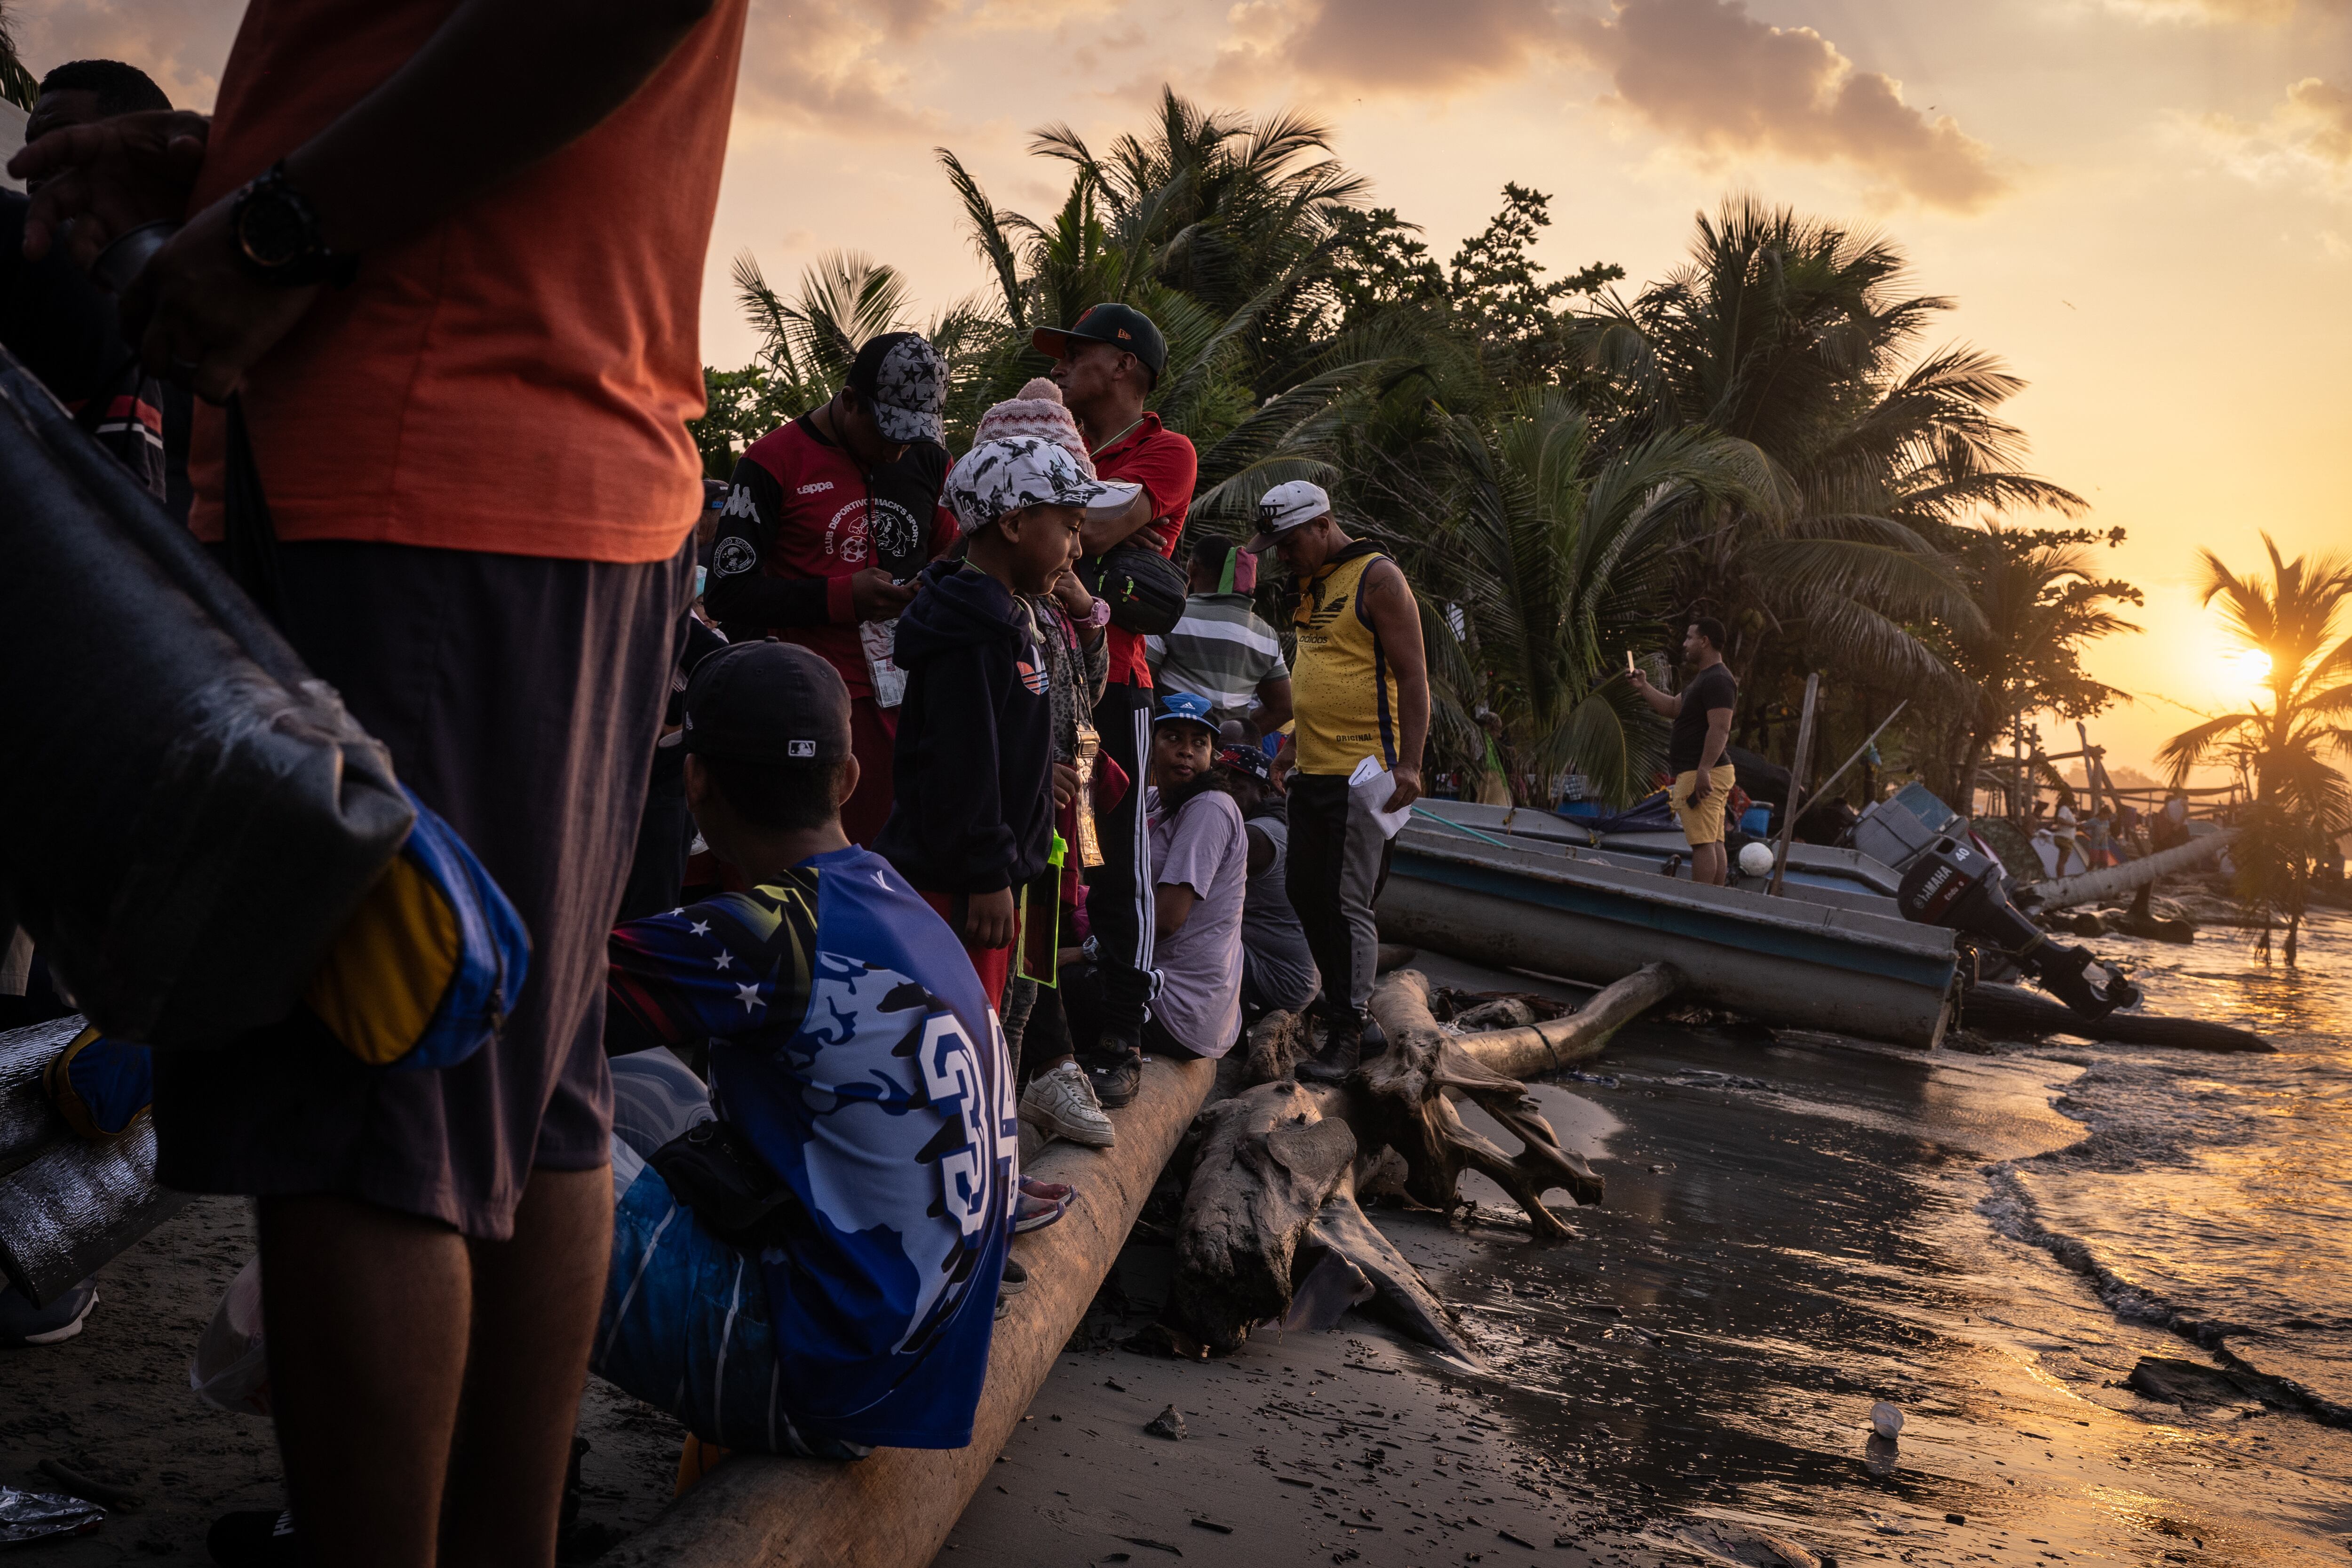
x=848 y=1041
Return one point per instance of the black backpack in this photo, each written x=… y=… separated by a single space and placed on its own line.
x=1145 y=588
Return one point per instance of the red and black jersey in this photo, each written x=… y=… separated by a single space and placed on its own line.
x=801 y=518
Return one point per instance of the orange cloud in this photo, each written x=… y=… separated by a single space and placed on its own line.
x=2308 y=133
x=2321 y=112
x=1704 y=73
x=1712 y=77
x=821 y=61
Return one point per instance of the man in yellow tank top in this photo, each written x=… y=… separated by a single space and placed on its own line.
x=1359 y=688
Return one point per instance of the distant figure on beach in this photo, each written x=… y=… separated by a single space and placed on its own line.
x=451 y=267
x=1222 y=649
x=1702 y=716
x=1361 y=688
x=827 y=524
x=840 y=1294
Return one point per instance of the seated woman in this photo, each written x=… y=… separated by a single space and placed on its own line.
x=1200 y=866
x=862 y=1080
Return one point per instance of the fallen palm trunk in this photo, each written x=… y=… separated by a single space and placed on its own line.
x=894 y=1510
x=2114 y=881
x=2011 y=1010
x=1271 y=1201
x=1563 y=1042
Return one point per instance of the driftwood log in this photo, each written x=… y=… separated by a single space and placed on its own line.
x=1271 y=1202
x=2012 y=1010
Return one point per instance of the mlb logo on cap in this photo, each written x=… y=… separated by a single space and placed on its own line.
x=800 y=749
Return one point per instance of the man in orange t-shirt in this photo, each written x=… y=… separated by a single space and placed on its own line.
x=448 y=258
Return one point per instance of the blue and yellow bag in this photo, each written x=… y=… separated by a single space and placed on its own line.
x=100 y=1086
x=423 y=974
x=431 y=964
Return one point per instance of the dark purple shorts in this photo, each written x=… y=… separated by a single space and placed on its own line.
x=520 y=697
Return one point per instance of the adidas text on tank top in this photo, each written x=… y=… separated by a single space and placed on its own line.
x=1343 y=688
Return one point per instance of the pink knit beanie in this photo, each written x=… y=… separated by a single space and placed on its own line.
x=1036 y=411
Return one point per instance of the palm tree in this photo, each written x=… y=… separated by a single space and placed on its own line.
x=1551 y=549
x=2302 y=801
x=2039 y=598
x=1217 y=226
x=807 y=343
x=1796 y=336
x=17 y=85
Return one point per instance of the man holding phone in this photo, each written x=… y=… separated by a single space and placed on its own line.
x=1702 y=716
x=828 y=521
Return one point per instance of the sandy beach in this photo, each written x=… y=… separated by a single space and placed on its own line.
x=1795 y=1228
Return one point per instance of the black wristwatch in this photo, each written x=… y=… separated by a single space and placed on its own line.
x=276 y=233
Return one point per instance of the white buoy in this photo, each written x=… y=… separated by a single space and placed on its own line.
x=1885 y=1420
x=1756 y=859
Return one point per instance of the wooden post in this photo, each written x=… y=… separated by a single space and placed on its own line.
x=1796 y=783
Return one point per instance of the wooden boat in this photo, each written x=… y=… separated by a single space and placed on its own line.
x=1582 y=913
x=1845 y=877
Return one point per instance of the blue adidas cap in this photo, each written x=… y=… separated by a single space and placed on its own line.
x=1184 y=708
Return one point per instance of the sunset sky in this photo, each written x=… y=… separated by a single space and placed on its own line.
x=2145 y=205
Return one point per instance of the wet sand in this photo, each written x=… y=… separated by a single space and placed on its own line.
x=1793 y=1233
x=1795 y=1228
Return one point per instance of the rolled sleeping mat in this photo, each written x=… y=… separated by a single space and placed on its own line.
x=79 y=1206
x=29 y=1122
x=196 y=815
x=69 y=1205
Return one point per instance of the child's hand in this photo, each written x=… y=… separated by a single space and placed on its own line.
x=988 y=919
x=1065 y=784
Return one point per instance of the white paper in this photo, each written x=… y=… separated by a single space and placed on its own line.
x=880 y=640
x=1371 y=784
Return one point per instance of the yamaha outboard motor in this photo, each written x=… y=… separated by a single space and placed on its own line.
x=1957 y=886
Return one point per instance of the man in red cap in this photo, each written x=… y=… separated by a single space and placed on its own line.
x=1106 y=366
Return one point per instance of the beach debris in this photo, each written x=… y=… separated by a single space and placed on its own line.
x=1155 y=1545
x=1789 y=1551
x=45 y=1516
x=2168 y=1380
x=1515 y=1540
x=1200 y=1523
x=2011 y=1012
x=1886 y=1420
x=1956 y=1519
x=1114 y=1386
x=1166 y=1423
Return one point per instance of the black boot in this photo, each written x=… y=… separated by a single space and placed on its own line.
x=1343 y=1046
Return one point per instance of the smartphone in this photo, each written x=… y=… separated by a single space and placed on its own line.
x=1629 y=661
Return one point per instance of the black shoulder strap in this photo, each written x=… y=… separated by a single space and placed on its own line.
x=250 y=537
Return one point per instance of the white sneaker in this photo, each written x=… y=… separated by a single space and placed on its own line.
x=1062 y=1104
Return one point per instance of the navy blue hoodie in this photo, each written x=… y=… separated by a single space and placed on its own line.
x=972 y=777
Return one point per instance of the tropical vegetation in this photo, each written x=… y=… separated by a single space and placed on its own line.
x=2286 y=748
x=1567 y=466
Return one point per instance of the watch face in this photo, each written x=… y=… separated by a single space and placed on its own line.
x=272 y=230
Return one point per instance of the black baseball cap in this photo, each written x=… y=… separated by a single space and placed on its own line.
x=767 y=702
x=1121 y=326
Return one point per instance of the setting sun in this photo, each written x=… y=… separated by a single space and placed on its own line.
x=2244 y=672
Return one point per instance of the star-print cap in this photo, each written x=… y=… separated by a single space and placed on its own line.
x=767 y=702
x=998 y=476
x=905 y=380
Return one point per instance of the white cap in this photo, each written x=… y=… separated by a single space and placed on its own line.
x=1285 y=507
x=1002 y=476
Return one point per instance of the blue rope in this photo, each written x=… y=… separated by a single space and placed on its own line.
x=1459 y=827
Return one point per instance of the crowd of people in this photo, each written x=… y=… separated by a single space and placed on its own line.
x=860 y=817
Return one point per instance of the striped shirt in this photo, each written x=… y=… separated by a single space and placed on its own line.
x=1220 y=650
